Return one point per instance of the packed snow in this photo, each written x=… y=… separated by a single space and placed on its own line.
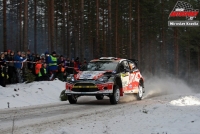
x=169 y=107
x=36 y=93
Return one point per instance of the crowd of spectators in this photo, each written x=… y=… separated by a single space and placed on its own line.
x=45 y=67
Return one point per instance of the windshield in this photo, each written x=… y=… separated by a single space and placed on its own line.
x=101 y=66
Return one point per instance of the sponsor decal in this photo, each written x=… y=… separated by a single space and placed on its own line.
x=90 y=74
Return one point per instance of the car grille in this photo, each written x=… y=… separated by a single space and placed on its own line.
x=85 y=87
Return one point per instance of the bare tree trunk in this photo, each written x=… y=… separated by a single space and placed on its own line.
x=74 y=24
x=199 y=61
x=109 y=28
x=163 y=39
x=4 y=26
x=176 y=53
x=25 y=46
x=97 y=28
x=56 y=31
x=63 y=29
x=116 y=30
x=52 y=24
x=103 y=32
x=20 y=26
x=68 y=33
x=138 y=30
x=130 y=29
x=188 y=60
x=48 y=18
x=35 y=27
x=82 y=43
x=90 y=34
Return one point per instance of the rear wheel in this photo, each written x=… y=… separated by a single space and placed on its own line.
x=99 y=97
x=139 y=95
x=72 y=99
x=114 y=98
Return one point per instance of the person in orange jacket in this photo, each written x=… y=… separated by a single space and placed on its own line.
x=61 y=74
x=38 y=66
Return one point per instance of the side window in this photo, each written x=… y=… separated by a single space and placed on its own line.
x=126 y=65
x=121 y=67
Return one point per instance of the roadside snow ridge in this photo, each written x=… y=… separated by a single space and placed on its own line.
x=186 y=101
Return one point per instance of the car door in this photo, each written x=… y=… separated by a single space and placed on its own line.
x=134 y=76
x=124 y=74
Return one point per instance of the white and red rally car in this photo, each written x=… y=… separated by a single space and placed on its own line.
x=107 y=76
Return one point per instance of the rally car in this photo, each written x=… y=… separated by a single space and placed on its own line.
x=106 y=76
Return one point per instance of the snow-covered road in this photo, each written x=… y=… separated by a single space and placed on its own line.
x=169 y=107
x=161 y=115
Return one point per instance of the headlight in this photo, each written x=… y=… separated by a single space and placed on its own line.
x=72 y=78
x=103 y=79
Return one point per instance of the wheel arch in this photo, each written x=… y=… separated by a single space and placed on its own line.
x=141 y=82
x=118 y=82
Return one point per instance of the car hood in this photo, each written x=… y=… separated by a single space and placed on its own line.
x=89 y=75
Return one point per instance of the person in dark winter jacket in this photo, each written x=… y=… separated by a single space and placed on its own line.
x=11 y=69
x=30 y=59
x=70 y=67
x=43 y=75
x=3 y=71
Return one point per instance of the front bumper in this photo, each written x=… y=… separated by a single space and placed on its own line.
x=88 y=89
x=104 y=92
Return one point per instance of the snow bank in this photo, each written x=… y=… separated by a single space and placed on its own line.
x=186 y=101
x=36 y=93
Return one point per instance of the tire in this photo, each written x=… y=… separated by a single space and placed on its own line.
x=115 y=97
x=72 y=99
x=63 y=96
x=139 y=95
x=99 y=97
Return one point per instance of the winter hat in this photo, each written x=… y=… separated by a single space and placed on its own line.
x=54 y=52
x=46 y=52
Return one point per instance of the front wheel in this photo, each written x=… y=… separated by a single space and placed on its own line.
x=72 y=99
x=114 y=98
x=139 y=95
x=99 y=97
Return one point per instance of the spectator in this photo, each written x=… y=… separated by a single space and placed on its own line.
x=43 y=75
x=30 y=60
x=8 y=54
x=53 y=66
x=61 y=60
x=5 y=55
x=11 y=69
x=3 y=71
x=38 y=66
x=46 y=60
x=84 y=65
x=61 y=71
x=18 y=66
x=70 y=67
x=24 y=64
x=67 y=62
x=42 y=57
